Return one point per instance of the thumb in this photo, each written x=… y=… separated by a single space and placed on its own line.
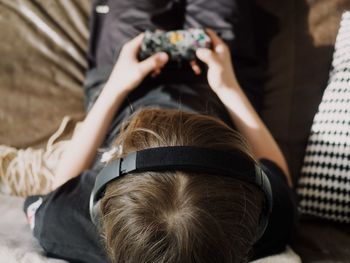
x=155 y=61
x=206 y=55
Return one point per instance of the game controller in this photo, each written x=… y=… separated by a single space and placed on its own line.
x=178 y=44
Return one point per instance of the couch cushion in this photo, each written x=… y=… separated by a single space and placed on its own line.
x=299 y=62
x=41 y=68
x=324 y=185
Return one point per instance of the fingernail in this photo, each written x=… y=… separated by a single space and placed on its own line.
x=163 y=56
x=219 y=49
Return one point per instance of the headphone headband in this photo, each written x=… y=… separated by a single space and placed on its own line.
x=184 y=158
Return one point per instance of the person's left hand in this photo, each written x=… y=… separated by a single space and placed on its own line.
x=129 y=72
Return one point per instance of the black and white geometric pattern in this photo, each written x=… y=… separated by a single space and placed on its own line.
x=324 y=185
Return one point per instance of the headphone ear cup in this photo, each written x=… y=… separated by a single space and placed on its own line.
x=265 y=186
x=96 y=215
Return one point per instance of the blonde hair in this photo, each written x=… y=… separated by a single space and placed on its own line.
x=158 y=217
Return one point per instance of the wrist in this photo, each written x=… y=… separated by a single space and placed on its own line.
x=225 y=90
x=116 y=87
x=112 y=95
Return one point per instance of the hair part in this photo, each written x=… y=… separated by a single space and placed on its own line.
x=158 y=217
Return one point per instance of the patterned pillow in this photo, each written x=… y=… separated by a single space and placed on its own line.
x=324 y=185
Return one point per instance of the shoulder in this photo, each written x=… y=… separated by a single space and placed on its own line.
x=60 y=221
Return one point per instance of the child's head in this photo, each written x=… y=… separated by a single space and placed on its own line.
x=155 y=217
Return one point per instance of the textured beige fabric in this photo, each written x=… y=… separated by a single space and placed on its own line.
x=31 y=171
x=42 y=51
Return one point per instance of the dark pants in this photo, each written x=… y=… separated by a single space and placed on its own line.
x=128 y=18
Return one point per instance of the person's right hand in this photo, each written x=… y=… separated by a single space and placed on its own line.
x=129 y=72
x=220 y=70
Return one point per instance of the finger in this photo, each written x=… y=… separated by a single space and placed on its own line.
x=220 y=49
x=156 y=72
x=216 y=40
x=133 y=45
x=197 y=70
x=206 y=55
x=155 y=61
x=218 y=44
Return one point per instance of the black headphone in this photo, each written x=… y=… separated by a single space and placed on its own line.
x=184 y=158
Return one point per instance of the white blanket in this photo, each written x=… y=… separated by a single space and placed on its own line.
x=17 y=243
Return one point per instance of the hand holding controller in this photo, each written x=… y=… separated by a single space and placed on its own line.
x=221 y=75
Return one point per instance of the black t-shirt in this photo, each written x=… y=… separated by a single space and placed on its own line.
x=61 y=222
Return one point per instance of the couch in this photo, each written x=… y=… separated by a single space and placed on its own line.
x=42 y=50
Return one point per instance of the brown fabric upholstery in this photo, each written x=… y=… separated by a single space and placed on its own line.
x=299 y=62
x=42 y=65
x=320 y=241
